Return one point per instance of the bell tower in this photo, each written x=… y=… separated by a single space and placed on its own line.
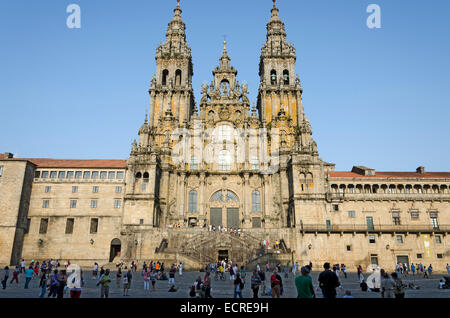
x=171 y=90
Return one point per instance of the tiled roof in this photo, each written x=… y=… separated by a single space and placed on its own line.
x=392 y=175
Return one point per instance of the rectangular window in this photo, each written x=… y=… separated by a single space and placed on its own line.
x=372 y=239
x=255 y=163
x=141 y=221
x=78 y=174
x=37 y=174
x=45 y=204
x=43 y=226
x=94 y=226
x=349 y=248
x=194 y=163
x=438 y=239
x=118 y=189
x=73 y=204
x=440 y=256
x=86 y=175
x=335 y=207
x=53 y=174
x=256 y=223
x=396 y=218
x=48 y=189
x=69 y=226
x=70 y=174
x=374 y=259
x=103 y=175
x=119 y=175
x=414 y=214
x=419 y=256
x=400 y=239
x=44 y=174
x=95 y=175
x=94 y=204
x=94 y=189
x=111 y=175
x=75 y=189
x=61 y=175
x=144 y=186
x=1 y=171
x=352 y=214
x=117 y=204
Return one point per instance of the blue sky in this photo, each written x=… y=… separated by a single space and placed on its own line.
x=374 y=97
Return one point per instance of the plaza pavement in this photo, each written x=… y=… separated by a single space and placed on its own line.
x=220 y=289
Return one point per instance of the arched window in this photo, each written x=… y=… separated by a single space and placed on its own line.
x=217 y=197
x=138 y=175
x=231 y=197
x=286 y=77
x=273 y=77
x=178 y=77
x=224 y=160
x=256 y=201
x=193 y=201
x=146 y=176
x=165 y=75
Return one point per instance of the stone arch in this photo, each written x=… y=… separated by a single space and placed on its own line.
x=286 y=77
x=178 y=74
x=138 y=175
x=165 y=76
x=273 y=77
x=115 y=249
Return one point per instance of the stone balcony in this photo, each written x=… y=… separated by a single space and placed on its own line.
x=363 y=228
x=333 y=197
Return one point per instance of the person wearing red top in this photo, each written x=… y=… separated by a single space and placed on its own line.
x=276 y=283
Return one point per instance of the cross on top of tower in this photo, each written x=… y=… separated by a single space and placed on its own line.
x=274 y=3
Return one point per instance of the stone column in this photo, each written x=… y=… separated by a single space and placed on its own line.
x=152 y=109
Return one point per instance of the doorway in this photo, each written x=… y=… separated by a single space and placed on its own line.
x=403 y=259
x=223 y=255
x=115 y=249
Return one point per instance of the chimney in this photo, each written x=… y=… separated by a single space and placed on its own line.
x=8 y=155
x=421 y=170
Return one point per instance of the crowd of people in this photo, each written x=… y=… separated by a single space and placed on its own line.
x=263 y=282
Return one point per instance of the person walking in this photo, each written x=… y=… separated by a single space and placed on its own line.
x=146 y=279
x=5 y=277
x=425 y=272
x=54 y=283
x=207 y=285
x=430 y=270
x=15 y=275
x=304 y=285
x=62 y=282
x=172 y=272
x=328 y=282
x=387 y=285
x=255 y=283
x=399 y=287
x=118 y=277
x=105 y=280
x=413 y=269
x=276 y=284
x=95 y=271
x=360 y=274
x=448 y=269
x=43 y=283
x=154 y=276
x=344 y=270
x=238 y=286
x=28 y=276
x=22 y=266
x=180 y=267
x=262 y=276
x=126 y=284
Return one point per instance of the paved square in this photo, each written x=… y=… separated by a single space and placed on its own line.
x=220 y=289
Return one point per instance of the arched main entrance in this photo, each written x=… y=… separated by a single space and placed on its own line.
x=224 y=211
x=115 y=249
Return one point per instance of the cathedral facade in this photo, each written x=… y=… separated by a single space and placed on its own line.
x=224 y=163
